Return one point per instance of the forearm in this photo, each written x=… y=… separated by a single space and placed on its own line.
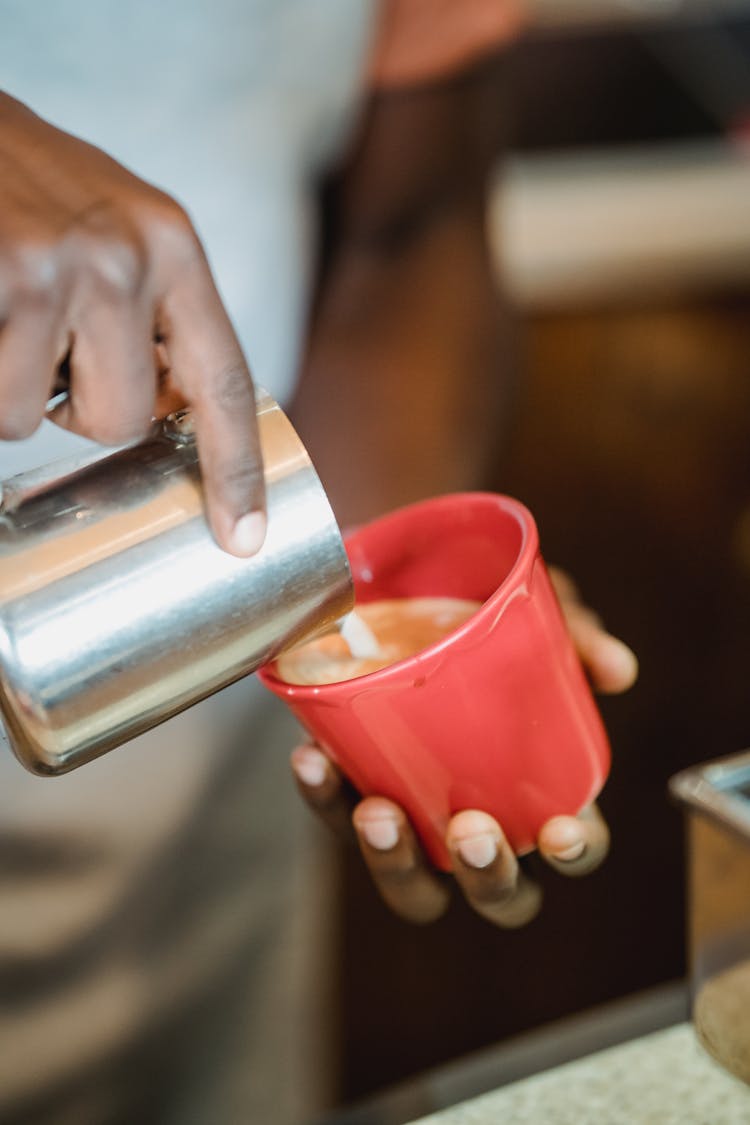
x=404 y=381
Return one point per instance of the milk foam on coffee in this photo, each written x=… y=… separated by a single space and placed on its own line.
x=359 y=637
x=401 y=627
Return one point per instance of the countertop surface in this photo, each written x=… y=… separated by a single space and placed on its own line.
x=661 y=1079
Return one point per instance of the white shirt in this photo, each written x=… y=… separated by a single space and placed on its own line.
x=149 y=893
x=234 y=107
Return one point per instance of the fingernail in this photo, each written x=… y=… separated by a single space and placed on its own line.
x=248 y=534
x=623 y=662
x=575 y=851
x=309 y=765
x=380 y=832
x=477 y=851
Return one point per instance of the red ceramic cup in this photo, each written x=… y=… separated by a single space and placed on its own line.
x=498 y=714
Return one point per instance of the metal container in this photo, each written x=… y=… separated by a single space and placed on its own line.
x=118 y=609
x=717 y=799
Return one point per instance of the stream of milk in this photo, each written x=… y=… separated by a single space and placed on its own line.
x=362 y=642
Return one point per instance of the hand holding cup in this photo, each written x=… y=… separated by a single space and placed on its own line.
x=484 y=866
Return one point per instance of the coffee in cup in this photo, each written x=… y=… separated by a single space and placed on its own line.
x=497 y=715
x=400 y=628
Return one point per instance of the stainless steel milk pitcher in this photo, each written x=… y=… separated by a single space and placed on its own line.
x=117 y=607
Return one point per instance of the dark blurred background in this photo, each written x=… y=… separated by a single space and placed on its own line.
x=629 y=440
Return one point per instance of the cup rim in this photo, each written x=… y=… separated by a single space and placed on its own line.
x=527 y=553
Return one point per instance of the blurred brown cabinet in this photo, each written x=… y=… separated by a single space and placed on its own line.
x=630 y=442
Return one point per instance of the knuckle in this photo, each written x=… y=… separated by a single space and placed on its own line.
x=173 y=228
x=118 y=432
x=584 y=618
x=17 y=423
x=117 y=267
x=493 y=895
x=231 y=388
x=29 y=274
x=120 y=269
x=240 y=476
x=6 y=291
x=114 y=429
x=176 y=218
x=398 y=871
x=107 y=246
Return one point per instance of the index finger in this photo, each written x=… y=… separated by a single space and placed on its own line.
x=207 y=364
x=611 y=665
